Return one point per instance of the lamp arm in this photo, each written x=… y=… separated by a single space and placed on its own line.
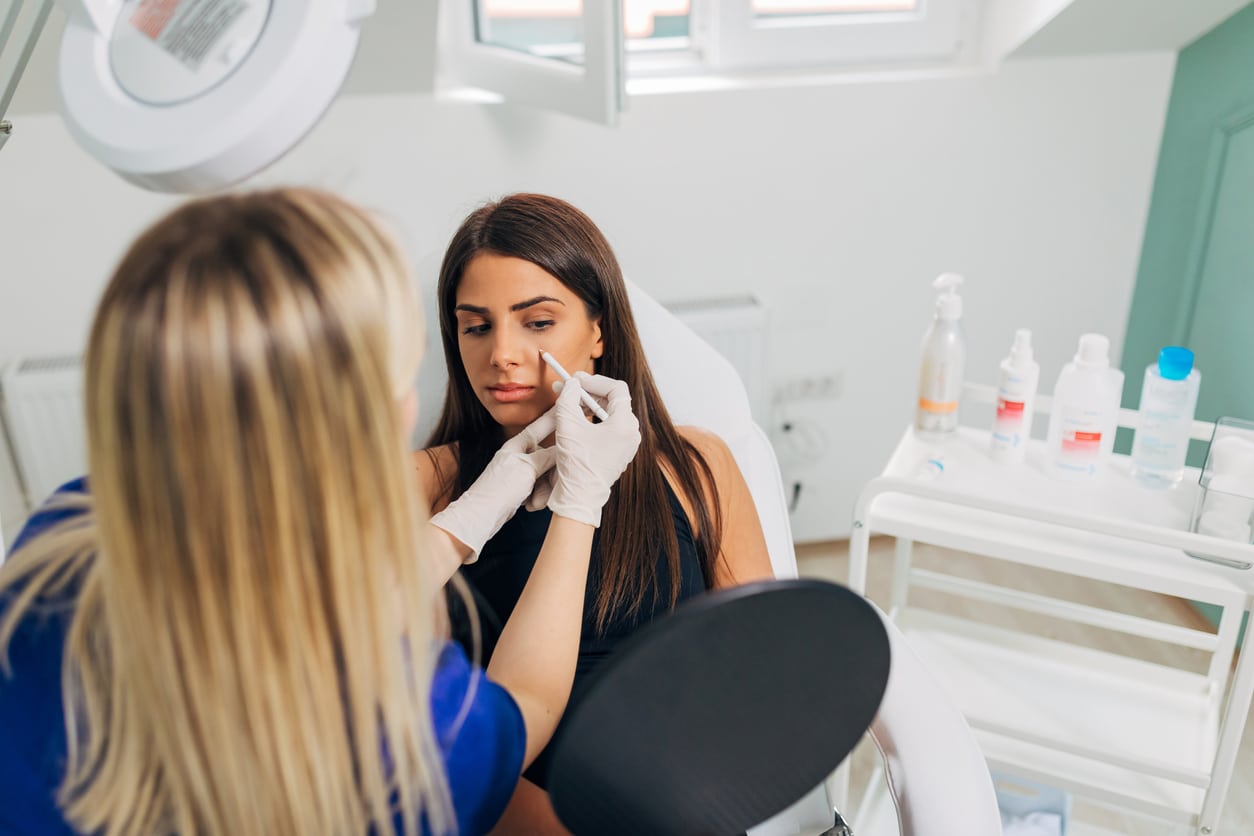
x=9 y=84
x=100 y=15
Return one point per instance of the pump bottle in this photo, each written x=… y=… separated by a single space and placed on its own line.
x=943 y=357
x=1016 y=391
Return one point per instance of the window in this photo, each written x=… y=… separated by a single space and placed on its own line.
x=575 y=55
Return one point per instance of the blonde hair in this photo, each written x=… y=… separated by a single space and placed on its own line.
x=255 y=630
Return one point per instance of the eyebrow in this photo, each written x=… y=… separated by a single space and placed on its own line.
x=515 y=307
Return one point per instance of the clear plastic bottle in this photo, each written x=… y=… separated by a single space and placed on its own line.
x=1085 y=412
x=1016 y=390
x=943 y=358
x=1168 y=401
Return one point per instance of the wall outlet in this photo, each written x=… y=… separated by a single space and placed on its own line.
x=818 y=387
x=800 y=440
x=805 y=434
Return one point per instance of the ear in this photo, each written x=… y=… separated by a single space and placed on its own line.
x=598 y=348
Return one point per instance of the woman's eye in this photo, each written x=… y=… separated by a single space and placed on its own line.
x=541 y=324
x=476 y=329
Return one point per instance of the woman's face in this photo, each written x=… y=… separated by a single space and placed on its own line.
x=508 y=311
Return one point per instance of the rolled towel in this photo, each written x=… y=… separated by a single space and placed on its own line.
x=1218 y=524
x=1220 y=499
x=1232 y=454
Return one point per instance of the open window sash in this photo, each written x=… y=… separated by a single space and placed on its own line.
x=593 y=88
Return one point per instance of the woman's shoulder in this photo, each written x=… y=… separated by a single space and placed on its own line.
x=66 y=502
x=717 y=457
x=710 y=445
x=437 y=468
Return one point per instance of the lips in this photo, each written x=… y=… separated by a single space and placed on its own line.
x=510 y=392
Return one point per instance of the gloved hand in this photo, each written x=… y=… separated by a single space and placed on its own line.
x=591 y=457
x=510 y=477
x=540 y=496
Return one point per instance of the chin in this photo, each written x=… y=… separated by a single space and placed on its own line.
x=513 y=417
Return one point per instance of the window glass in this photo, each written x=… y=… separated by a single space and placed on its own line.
x=553 y=28
x=812 y=8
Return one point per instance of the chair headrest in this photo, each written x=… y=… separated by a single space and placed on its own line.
x=699 y=385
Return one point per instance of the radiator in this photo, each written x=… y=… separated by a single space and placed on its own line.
x=43 y=422
x=736 y=328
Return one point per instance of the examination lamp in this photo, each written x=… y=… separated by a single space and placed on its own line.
x=193 y=95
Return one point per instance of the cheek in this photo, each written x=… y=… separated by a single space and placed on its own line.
x=469 y=351
x=545 y=395
x=576 y=353
x=586 y=360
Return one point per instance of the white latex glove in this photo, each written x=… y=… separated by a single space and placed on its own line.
x=540 y=496
x=510 y=477
x=591 y=457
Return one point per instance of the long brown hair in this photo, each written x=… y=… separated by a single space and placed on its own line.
x=252 y=643
x=636 y=523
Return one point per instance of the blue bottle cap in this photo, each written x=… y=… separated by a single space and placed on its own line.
x=1175 y=363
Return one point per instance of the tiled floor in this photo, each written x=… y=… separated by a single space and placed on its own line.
x=830 y=561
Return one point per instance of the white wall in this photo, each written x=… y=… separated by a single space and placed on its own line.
x=835 y=205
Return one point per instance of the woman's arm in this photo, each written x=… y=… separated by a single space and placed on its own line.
x=534 y=659
x=535 y=656
x=436 y=468
x=743 y=556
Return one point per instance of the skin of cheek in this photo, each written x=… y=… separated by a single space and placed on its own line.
x=580 y=357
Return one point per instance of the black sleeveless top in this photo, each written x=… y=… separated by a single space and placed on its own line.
x=496 y=581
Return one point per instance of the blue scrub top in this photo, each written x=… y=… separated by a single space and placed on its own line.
x=482 y=755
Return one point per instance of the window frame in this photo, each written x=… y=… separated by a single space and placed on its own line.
x=741 y=42
x=725 y=40
x=593 y=90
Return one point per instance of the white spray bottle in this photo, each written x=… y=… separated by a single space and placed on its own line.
x=944 y=356
x=1016 y=390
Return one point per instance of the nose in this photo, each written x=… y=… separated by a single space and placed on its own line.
x=506 y=351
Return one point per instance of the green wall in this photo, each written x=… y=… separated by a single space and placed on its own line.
x=1214 y=84
x=1195 y=285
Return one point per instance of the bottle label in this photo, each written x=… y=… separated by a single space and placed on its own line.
x=1010 y=425
x=1009 y=410
x=938 y=407
x=1082 y=444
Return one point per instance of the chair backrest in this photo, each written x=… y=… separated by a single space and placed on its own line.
x=700 y=387
x=937 y=777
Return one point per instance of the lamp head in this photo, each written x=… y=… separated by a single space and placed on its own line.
x=198 y=95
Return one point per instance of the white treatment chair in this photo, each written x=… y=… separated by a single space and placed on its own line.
x=936 y=774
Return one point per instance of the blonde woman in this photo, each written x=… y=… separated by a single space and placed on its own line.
x=239 y=630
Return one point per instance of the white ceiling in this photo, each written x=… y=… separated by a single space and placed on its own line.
x=394 y=56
